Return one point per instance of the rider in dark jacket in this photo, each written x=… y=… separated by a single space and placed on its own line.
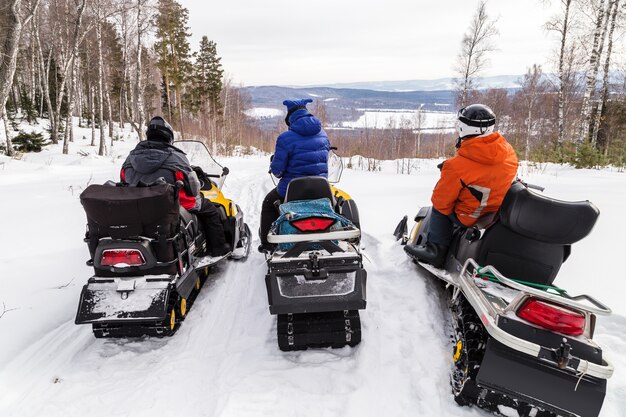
x=157 y=158
x=300 y=151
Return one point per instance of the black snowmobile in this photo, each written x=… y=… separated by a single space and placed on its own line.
x=315 y=280
x=519 y=341
x=147 y=251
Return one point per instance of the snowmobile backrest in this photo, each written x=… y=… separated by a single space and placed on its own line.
x=121 y=212
x=546 y=219
x=308 y=188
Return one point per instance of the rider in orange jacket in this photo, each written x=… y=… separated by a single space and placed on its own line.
x=472 y=183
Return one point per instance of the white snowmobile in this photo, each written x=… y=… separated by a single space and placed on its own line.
x=315 y=280
x=519 y=341
x=148 y=252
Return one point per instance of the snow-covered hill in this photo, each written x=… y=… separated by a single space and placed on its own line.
x=224 y=360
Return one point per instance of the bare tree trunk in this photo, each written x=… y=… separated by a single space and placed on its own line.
x=68 y=118
x=605 y=76
x=66 y=67
x=179 y=101
x=107 y=96
x=475 y=45
x=44 y=69
x=564 y=32
x=9 y=144
x=102 y=148
x=32 y=77
x=140 y=114
x=8 y=63
x=592 y=73
x=92 y=114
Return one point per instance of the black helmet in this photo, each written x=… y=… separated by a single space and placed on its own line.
x=159 y=130
x=475 y=120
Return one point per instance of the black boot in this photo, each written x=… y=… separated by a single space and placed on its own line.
x=266 y=248
x=431 y=253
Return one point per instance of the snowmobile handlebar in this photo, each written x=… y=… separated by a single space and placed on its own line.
x=535 y=187
x=531 y=186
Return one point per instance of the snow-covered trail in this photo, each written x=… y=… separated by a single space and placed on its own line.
x=224 y=360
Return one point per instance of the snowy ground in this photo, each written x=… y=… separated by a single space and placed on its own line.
x=224 y=360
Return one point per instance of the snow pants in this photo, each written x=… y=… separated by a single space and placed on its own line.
x=212 y=225
x=442 y=227
x=269 y=213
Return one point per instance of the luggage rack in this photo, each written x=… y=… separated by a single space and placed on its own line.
x=593 y=305
x=490 y=316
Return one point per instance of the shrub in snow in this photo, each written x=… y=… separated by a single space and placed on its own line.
x=28 y=142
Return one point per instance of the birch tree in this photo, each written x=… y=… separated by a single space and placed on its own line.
x=562 y=25
x=532 y=86
x=599 y=32
x=16 y=20
x=475 y=46
x=613 y=12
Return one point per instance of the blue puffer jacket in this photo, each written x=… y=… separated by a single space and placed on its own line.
x=302 y=150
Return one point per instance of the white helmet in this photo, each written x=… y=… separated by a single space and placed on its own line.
x=475 y=120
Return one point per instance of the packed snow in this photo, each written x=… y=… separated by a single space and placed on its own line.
x=224 y=360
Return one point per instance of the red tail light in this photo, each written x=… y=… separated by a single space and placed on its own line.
x=313 y=224
x=122 y=257
x=552 y=317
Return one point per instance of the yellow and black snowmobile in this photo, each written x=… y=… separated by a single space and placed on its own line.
x=148 y=252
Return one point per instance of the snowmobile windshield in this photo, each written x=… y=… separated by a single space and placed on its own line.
x=199 y=155
x=335 y=167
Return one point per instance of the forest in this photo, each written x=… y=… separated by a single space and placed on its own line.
x=112 y=63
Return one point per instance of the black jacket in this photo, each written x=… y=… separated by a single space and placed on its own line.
x=151 y=160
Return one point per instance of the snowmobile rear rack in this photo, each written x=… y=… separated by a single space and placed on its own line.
x=597 y=307
x=313 y=237
x=494 y=318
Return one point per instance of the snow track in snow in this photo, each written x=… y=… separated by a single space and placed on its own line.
x=224 y=360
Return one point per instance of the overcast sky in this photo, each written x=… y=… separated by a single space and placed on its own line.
x=294 y=42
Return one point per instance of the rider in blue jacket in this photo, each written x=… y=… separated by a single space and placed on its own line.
x=300 y=151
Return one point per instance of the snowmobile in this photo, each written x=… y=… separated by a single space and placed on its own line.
x=315 y=280
x=519 y=341
x=148 y=252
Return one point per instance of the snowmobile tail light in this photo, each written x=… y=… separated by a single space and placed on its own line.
x=122 y=258
x=552 y=317
x=313 y=224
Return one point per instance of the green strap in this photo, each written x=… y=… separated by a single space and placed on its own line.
x=546 y=288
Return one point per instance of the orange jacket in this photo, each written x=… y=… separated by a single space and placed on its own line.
x=475 y=181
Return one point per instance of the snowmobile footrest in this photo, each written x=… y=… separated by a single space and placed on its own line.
x=540 y=384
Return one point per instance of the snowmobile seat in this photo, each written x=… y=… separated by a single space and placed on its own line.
x=546 y=219
x=309 y=188
x=532 y=236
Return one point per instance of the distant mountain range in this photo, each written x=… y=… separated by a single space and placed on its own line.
x=346 y=104
x=346 y=101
